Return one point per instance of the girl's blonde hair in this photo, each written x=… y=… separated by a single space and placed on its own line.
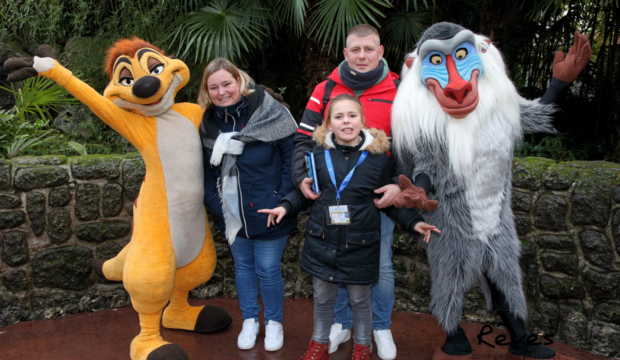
x=204 y=100
x=342 y=97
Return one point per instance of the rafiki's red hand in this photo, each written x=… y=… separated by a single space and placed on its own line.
x=412 y=196
x=568 y=68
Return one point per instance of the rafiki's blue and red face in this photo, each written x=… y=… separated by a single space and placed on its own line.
x=450 y=70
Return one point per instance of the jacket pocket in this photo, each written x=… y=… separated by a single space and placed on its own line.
x=314 y=229
x=363 y=238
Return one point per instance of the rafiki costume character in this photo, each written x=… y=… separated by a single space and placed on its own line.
x=171 y=249
x=457 y=117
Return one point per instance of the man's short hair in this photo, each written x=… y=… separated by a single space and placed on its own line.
x=362 y=30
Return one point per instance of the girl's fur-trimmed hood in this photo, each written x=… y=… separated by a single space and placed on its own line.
x=376 y=142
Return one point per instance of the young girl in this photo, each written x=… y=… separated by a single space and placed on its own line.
x=344 y=228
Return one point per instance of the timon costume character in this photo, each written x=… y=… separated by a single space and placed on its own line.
x=457 y=117
x=171 y=249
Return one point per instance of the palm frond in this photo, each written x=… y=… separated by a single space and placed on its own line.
x=401 y=31
x=395 y=3
x=292 y=13
x=223 y=28
x=332 y=19
x=542 y=7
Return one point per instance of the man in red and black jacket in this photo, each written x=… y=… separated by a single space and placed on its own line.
x=365 y=74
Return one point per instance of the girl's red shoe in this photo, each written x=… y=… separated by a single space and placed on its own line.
x=316 y=351
x=361 y=352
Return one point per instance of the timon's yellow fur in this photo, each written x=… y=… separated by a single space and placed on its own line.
x=171 y=249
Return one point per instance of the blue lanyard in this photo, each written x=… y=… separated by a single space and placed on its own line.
x=347 y=179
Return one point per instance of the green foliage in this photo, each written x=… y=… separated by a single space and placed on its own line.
x=402 y=30
x=38 y=97
x=332 y=19
x=223 y=28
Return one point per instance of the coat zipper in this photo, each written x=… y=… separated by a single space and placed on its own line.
x=381 y=100
x=245 y=225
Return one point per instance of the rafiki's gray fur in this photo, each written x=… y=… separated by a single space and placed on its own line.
x=440 y=31
x=470 y=163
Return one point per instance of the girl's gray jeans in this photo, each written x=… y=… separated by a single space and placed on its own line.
x=324 y=299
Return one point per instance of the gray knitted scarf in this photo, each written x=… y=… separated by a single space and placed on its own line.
x=269 y=123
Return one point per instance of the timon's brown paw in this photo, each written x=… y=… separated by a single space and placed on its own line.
x=168 y=352
x=211 y=319
x=24 y=68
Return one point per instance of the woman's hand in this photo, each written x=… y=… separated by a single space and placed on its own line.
x=277 y=213
x=306 y=188
x=390 y=192
x=425 y=229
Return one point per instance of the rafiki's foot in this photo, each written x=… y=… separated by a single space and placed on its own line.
x=522 y=349
x=440 y=355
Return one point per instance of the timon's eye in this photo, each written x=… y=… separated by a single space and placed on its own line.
x=158 y=69
x=461 y=54
x=127 y=81
x=436 y=60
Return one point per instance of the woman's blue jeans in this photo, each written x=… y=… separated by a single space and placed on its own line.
x=257 y=263
x=382 y=290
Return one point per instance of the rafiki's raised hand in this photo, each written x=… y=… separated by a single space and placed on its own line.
x=412 y=196
x=27 y=67
x=568 y=68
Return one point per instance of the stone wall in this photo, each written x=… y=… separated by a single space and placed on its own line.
x=57 y=213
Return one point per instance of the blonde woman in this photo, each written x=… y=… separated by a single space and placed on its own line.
x=247 y=139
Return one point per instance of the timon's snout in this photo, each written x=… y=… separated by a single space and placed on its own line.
x=146 y=87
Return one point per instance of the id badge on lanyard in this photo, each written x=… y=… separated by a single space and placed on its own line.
x=340 y=214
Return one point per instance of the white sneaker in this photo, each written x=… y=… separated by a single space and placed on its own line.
x=337 y=335
x=247 y=336
x=274 y=336
x=386 y=349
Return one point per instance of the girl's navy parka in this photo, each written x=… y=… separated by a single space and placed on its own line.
x=348 y=254
x=264 y=173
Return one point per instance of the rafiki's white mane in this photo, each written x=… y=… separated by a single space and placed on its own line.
x=418 y=120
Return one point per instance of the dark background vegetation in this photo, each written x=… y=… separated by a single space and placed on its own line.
x=292 y=45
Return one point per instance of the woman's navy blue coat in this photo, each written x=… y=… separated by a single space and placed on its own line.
x=264 y=175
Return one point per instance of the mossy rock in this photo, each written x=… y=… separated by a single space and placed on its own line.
x=59 y=197
x=615 y=229
x=528 y=172
x=133 y=176
x=87 y=201
x=608 y=312
x=40 y=160
x=40 y=176
x=556 y=242
x=521 y=201
x=523 y=223
x=112 y=200
x=561 y=288
x=15 y=248
x=544 y=317
x=550 y=212
x=59 y=222
x=13 y=309
x=10 y=201
x=604 y=339
x=100 y=232
x=600 y=285
x=16 y=281
x=66 y=267
x=574 y=326
x=564 y=263
x=560 y=177
x=592 y=196
x=35 y=205
x=597 y=249
x=96 y=167
x=11 y=219
x=5 y=174
x=108 y=250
